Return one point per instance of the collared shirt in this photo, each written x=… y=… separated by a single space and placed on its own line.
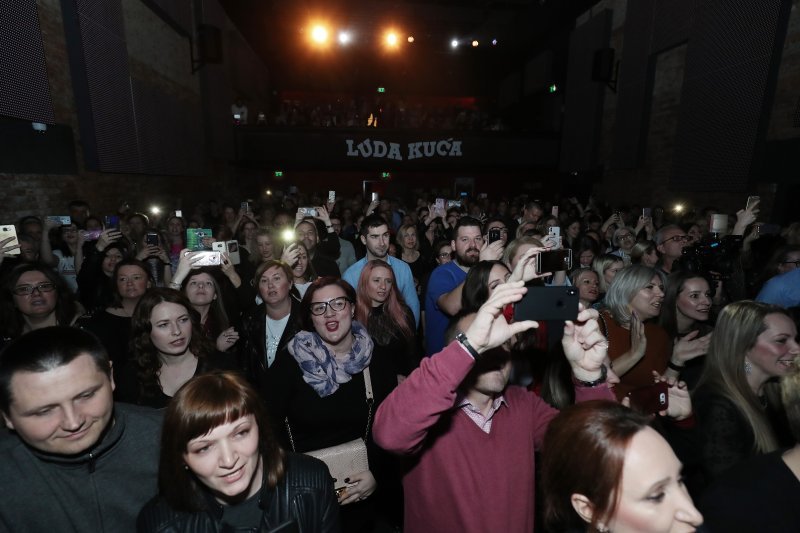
x=474 y=414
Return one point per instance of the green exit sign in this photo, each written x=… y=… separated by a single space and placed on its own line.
x=553 y=88
x=278 y=173
x=381 y=89
x=386 y=175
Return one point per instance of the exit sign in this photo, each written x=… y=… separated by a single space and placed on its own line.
x=381 y=89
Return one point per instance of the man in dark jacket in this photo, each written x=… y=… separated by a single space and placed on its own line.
x=73 y=461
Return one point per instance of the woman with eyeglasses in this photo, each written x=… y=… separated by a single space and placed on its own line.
x=623 y=240
x=319 y=391
x=35 y=297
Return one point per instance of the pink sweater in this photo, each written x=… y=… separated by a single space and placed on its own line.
x=463 y=479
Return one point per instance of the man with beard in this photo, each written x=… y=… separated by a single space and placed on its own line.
x=375 y=236
x=443 y=296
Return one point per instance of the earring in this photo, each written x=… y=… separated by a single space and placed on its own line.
x=602 y=529
x=748 y=367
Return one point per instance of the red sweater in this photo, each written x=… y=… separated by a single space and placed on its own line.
x=463 y=479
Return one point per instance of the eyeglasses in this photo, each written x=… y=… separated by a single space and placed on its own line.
x=442 y=255
x=683 y=238
x=627 y=236
x=795 y=263
x=337 y=304
x=23 y=290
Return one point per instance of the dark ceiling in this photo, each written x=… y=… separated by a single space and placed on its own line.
x=277 y=31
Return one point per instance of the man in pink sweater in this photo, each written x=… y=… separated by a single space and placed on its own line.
x=472 y=437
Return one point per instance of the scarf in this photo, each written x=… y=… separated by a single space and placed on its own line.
x=320 y=368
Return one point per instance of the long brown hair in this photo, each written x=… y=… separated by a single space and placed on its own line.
x=145 y=353
x=584 y=453
x=202 y=404
x=394 y=307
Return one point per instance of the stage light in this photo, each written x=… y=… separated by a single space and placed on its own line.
x=411 y=38
x=475 y=44
x=344 y=38
x=155 y=210
x=454 y=43
x=319 y=34
x=391 y=39
x=494 y=42
x=678 y=208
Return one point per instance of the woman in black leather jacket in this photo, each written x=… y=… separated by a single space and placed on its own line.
x=221 y=469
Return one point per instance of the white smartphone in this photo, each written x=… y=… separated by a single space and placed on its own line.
x=7 y=232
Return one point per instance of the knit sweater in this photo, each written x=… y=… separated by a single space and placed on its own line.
x=100 y=490
x=462 y=479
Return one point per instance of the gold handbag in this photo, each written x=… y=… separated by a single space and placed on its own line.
x=345 y=460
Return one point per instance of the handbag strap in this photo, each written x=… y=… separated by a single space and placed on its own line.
x=370 y=403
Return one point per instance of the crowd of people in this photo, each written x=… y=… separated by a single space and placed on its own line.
x=312 y=363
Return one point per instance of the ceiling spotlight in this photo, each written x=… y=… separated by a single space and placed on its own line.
x=494 y=42
x=411 y=38
x=391 y=39
x=474 y=44
x=319 y=34
x=344 y=37
x=454 y=43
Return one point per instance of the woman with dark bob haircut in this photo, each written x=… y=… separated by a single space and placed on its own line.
x=606 y=469
x=167 y=348
x=221 y=467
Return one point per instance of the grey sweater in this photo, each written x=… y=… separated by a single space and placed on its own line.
x=101 y=490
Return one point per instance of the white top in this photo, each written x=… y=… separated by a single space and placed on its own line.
x=275 y=330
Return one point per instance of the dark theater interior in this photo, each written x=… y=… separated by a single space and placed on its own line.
x=400 y=266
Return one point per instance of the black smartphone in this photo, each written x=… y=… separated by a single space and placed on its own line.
x=651 y=398
x=554 y=260
x=111 y=221
x=494 y=235
x=548 y=303
x=151 y=239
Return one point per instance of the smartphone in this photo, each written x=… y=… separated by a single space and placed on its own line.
x=495 y=235
x=111 y=221
x=768 y=229
x=553 y=261
x=244 y=206
x=650 y=399
x=453 y=203
x=375 y=197
x=208 y=258
x=554 y=231
x=554 y=211
x=194 y=238
x=308 y=211
x=61 y=219
x=548 y=303
x=151 y=239
x=647 y=212
x=718 y=223
x=439 y=205
x=92 y=235
x=231 y=248
x=751 y=201
x=178 y=213
x=8 y=232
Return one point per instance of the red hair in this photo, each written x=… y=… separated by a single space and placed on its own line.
x=394 y=307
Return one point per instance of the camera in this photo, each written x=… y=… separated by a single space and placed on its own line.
x=308 y=211
x=715 y=258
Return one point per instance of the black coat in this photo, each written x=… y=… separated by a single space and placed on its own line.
x=253 y=357
x=304 y=496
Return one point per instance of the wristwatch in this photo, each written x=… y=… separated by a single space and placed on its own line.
x=461 y=338
x=595 y=383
